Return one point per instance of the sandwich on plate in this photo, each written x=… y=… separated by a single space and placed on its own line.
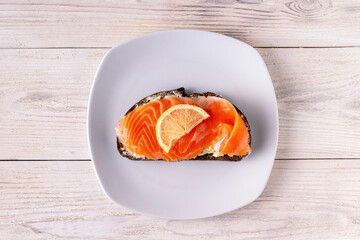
x=173 y=126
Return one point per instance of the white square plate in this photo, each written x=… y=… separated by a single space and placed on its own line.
x=201 y=62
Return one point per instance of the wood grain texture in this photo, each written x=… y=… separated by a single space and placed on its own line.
x=318 y=94
x=43 y=102
x=305 y=199
x=286 y=23
x=44 y=93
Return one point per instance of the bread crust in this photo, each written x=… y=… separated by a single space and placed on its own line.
x=180 y=92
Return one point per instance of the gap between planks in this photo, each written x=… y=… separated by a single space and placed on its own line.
x=272 y=47
x=89 y=160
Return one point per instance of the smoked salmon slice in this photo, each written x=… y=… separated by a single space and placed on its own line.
x=223 y=135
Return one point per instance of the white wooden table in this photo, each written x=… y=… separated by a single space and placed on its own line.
x=49 y=52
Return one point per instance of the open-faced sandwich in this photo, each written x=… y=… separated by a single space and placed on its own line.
x=174 y=126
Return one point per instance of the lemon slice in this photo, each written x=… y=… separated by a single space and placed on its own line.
x=176 y=122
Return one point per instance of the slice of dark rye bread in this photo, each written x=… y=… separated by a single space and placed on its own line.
x=180 y=92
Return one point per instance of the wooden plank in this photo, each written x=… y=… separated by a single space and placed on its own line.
x=43 y=102
x=44 y=93
x=305 y=199
x=318 y=94
x=39 y=23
